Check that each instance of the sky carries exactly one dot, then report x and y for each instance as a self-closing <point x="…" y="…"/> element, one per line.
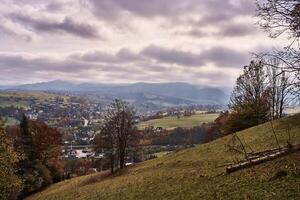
<point x="203" y="42"/>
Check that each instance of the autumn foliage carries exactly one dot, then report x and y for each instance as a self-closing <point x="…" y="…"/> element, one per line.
<point x="40" y="147"/>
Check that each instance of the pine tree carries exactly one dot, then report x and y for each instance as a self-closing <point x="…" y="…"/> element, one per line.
<point x="29" y="168"/>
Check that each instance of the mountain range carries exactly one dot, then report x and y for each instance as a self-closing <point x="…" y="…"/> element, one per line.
<point x="176" y="93"/>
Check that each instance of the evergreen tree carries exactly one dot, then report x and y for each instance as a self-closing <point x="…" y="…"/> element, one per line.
<point x="29" y="168"/>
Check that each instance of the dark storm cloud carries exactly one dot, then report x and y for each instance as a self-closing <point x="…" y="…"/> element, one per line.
<point x="67" y="25"/>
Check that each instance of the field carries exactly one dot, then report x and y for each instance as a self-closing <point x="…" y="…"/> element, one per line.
<point x="30" y="95"/>
<point x="198" y="173"/>
<point x="184" y="122"/>
<point x="19" y="104"/>
<point x="24" y="99"/>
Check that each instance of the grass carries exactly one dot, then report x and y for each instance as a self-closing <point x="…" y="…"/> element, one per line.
<point x="184" y="122"/>
<point x="197" y="173"/>
<point x="162" y="153"/>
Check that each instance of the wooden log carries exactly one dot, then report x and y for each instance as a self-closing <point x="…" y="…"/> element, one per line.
<point x="252" y="161"/>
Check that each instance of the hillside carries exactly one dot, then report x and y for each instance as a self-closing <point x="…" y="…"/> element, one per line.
<point x="24" y="99"/>
<point x="184" y="121"/>
<point x="198" y="173"/>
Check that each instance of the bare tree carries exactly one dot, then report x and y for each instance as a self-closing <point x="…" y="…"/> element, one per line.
<point x="116" y="132"/>
<point x="283" y="75"/>
<point x="280" y="16"/>
<point x="281" y="86"/>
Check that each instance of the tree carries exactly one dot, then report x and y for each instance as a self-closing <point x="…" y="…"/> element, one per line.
<point x="107" y="140"/>
<point x="48" y="147"/>
<point x="40" y="147"/>
<point x="281" y="86"/>
<point x="280" y="16"/>
<point x="117" y="131"/>
<point x="10" y="183"/>
<point x="249" y="101"/>
<point x="28" y="167"/>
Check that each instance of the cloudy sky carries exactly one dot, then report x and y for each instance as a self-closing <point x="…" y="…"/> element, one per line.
<point x="203" y="42"/>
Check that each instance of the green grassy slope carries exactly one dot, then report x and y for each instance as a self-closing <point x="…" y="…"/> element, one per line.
<point x="184" y="122"/>
<point x="197" y="173"/>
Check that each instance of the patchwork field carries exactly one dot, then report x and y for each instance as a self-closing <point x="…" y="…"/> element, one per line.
<point x="184" y="122"/>
<point x="198" y="173"/>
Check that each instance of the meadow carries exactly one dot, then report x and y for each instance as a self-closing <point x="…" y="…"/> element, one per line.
<point x="184" y="121"/>
<point x="199" y="172"/>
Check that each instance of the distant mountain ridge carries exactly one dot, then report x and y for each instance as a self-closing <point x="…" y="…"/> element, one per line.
<point x="177" y="92"/>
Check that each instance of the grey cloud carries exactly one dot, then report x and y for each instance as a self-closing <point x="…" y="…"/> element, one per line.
<point x="123" y="61"/>
<point x="223" y="11"/>
<point x="172" y="56"/>
<point x="197" y="33"/>
<point x="224" y="57"/>
<point x="123" y="55"/>
<point x="112" y="9"/>
<point x="218" y="78"/>
<point x="38" y="67"/>
<point x="67" y="25"/>
<point x="237" y="30"/>
<point x="29" y="63"/>
<point x="9" y="31"/>
<point x="232" y="29"/>
<point x="19" y="62"/>
<point x="55" y="6"/>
